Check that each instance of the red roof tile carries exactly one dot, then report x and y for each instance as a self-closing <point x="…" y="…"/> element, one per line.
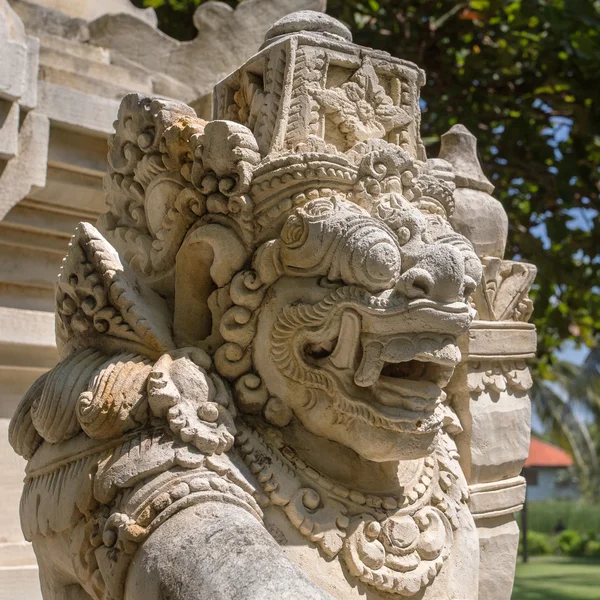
<point x="542" y="454"/>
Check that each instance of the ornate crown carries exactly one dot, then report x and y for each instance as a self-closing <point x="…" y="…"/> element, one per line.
<point x="312" y="115"/>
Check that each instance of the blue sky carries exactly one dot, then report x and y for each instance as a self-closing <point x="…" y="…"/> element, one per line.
<point x="571" y="353"/>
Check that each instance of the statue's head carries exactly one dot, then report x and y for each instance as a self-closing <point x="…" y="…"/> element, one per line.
<point x="358" y="335"/>
<point x="303" y="240"/>
<point x="363" y="297"/>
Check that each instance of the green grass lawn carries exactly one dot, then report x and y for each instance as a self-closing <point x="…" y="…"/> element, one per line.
<point x="557" y="578"/>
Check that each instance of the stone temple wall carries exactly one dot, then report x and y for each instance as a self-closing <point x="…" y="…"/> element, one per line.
<point x="64" y="67"/>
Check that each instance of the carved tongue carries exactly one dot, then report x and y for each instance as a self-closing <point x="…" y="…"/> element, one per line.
<point x="404" y="393"/>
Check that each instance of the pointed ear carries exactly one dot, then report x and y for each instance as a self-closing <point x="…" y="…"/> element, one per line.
<point x="208" y="259"/>
<point x="101" y="303"/>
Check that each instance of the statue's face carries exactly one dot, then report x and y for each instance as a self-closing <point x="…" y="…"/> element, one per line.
<point x="359" y="333"/>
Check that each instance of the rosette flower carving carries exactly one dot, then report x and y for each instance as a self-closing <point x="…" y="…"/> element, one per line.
<point x="403" y="553"/>
<point x="360" y="108"/>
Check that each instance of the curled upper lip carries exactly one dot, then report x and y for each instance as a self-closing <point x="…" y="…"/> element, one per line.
<point x="392" y="305"/>
<point x="421" y="315"/>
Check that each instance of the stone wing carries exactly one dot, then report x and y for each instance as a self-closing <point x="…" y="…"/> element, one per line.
<point x="101" y="303"/>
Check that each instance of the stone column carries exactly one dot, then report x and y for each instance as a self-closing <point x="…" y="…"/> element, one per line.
<point x="490" y="391"/>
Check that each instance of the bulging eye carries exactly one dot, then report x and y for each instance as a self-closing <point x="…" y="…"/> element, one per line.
<point x="382" y="262"/>
<point x="374" y="259"/>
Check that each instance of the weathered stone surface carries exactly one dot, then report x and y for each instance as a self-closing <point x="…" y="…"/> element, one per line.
<point x="59" y="95"/>
<point x="41" y="21"/>
<point x="284" y="373"/>
<point x="498" y="543"/>
<point x="92" y="9"/>
<point x="26" y="172"/>
<point x="477" y="215"/>
<point x="13" y="40"/>
<point x="27" y="350"/>
<point x="9" y="129"/>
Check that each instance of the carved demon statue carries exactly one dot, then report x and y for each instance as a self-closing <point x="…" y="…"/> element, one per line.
<point x="253" y="400"/>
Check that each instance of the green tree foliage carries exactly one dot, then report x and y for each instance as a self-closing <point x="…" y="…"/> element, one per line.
<point x="175" y="17"/>
<point x="569" y="409"/>
<point x="523" y="76"/>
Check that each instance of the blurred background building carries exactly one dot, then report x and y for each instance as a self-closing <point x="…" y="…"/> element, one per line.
<point x="548" y="471"/>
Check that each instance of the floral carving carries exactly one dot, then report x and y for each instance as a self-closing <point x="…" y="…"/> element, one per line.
<point x="396" y="544"/>
<point x="502" y="295"/>
<point x="169" y="171"/>
<point x="100" y="300"/>
<point x="499" y="377"/>
<point x="403" y="555"/>
<point x="360" y="108"/>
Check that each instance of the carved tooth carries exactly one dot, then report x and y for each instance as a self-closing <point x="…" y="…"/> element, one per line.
<point x="344" y="355"/>
<point x="370" y="366"/>
<point x="443" y="376"/>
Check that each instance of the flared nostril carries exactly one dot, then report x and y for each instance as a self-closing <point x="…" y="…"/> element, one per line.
<point x="422" y="284"/>
<point x="416" y="283"/>
<point x="439" y="275"/>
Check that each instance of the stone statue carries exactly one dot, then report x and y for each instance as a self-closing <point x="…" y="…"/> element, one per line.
<point x="293" y="360"/>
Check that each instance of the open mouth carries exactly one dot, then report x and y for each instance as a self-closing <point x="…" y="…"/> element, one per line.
<point x="414" y="385"/>
<point x="425" y="379"/>
<point x="407" y="372"/>
<point x="402" y="375"/>
<point x="415" y="357"/>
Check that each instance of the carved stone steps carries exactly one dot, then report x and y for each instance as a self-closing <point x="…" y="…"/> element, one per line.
<point x="75" y="109"/>
<point x="64" y="187"/>
<point x="91" y="69"/>
<point x="97" y="54"/>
